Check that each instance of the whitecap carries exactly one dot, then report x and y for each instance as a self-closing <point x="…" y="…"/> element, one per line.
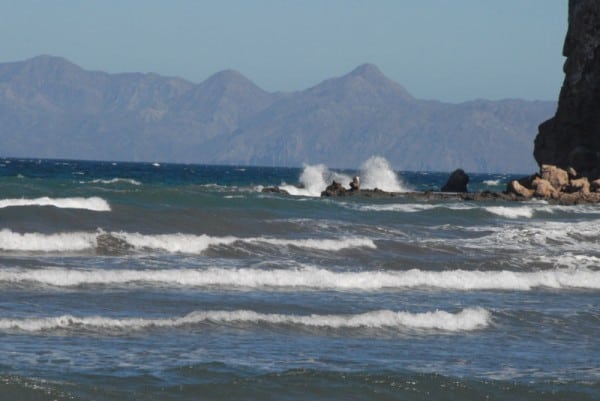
<point x="172" y="243"/>
<point x="94" y="203"/>
<point x="465" y="320"/>
<point x="311" y="278"/>
<point x="116" y="181"/>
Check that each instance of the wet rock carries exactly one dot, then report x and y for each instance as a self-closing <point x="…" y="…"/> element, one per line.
<point x="515" y="187"/>
<point x="335" y="189"/>
<point x="595" y="185"/>
<point x="457" y="182"/>
<point x="275" y="190"/>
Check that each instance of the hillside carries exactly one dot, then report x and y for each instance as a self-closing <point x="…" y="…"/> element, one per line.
<point x="51" y="108"/>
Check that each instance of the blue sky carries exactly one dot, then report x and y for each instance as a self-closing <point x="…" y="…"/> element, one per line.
<point x="452" y="50"/>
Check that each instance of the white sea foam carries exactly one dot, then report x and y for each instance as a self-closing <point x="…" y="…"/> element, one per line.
<point x="94" y="203"/>
<point x="511" y="212"/>
<point x="465" y="320"/>
<point x="37" y="242"/>
<point x="537" y="235"/>
<point x="173" y="243"/>
<point x="311" y="278"/>
<point x="116" y="181"/>
<point x="376" y="172"/>
<point x="492" y="182"/>
<point x="409" y="207"/>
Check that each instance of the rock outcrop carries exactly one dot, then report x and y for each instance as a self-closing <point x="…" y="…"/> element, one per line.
<point x="572" y="136"/>
<point x="457" y="182"/>
<point x="557" y="185"/>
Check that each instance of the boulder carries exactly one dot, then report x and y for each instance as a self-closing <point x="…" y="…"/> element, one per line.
<point x="457" y="182"/>
<point x="514" y="187"/>
<point x="543" y="189"/>
<point x="275" y="190"/>
<point x="335" y="189"/>
<point x="595" y="185"/>
<point x="557" y="177"/>
<point x="579" y="185"/>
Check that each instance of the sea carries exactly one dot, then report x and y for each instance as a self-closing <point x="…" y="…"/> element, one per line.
<point x="155" y="281"/>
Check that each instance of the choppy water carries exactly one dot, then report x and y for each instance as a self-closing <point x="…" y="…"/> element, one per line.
<point x="171" y="282"/>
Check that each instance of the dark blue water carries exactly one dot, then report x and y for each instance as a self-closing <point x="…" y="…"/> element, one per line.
<point x="123" y="281"/>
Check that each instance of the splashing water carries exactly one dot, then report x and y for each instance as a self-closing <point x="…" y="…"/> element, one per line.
<point x="376" y="172"/>
<point x="314" y="180"/>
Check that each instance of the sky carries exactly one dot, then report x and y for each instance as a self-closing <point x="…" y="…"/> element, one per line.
<point x="450" y="50"/>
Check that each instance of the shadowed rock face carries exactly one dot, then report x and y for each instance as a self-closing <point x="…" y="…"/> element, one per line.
<point x="572" y="136"/>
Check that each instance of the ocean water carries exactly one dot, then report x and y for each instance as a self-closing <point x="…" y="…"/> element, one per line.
<point x="123" y="281"/>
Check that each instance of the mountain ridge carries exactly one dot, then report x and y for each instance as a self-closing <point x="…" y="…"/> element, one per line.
<point x="50" y="107"/>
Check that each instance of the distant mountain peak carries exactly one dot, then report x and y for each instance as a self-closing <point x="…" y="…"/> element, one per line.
<point x="366" y="79"/>
<point x="367" y="70"/>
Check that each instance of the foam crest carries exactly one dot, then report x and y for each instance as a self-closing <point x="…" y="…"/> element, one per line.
<point x="409" y="207"/>
<point x="376" y="172"/>
<point x="465" y="320"/>
<point x="172" y="243"/>
<point x="311" y="278"/>
<point x="116" y="181"/>
<point x="94" y="203"/>
<point x="36" y="242"/>
<point x="511" y="212"/>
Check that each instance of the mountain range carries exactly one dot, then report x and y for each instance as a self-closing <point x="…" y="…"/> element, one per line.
<point x="52" y="108"/>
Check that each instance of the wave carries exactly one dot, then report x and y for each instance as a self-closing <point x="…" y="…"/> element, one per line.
<point x="94" y="203"/>
<point x="492" y="182"/>
<point x="172" y="243"/>
<point x="114" y="181"/>
<point x="312" y="278"/>
<point x="466" y="320"/>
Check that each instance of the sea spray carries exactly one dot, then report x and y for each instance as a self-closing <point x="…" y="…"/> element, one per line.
<point x="314" y="179"/>
<point x="376" y="172"/>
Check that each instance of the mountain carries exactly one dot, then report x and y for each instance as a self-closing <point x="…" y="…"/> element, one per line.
<point x="50" y="107"/>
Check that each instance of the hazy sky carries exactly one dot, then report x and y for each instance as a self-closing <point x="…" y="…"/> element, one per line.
<point x="452" y="50"/>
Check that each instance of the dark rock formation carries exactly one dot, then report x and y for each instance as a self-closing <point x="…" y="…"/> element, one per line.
<point x="457" y="182"/>
<point x="275" y="190"/>
<point x="572" y="137"/>
<point x="335" y="189"/>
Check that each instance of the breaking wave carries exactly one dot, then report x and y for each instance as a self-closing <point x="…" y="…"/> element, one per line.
<point x="312" y="278"/>
<point x="94" y="203"/>
<point x="465" y="320"/>
<point x="376" y="172"/>
<point x="173" y="243"/>
<point x="116" y="181"/>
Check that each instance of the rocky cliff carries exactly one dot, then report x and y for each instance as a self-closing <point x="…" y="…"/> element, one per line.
<point x="572" y="137"/>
